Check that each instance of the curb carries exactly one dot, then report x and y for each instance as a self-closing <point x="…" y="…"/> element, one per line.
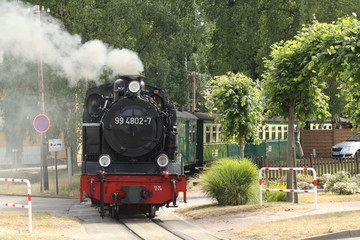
<point x="337" y="235"/>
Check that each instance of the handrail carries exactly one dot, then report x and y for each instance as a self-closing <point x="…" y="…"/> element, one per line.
<point x="288" y="190"/>
<point x="20" y="205"/>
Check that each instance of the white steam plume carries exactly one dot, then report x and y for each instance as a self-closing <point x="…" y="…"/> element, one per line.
<point x="1" y="56"/>
<point x="20" y="37"/>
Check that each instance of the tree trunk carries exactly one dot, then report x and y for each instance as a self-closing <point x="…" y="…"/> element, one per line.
<point x="290" y="146"/>
<point x="242" y="149"/>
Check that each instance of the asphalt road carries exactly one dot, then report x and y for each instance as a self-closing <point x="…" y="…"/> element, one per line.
<point x="40" y="204"/>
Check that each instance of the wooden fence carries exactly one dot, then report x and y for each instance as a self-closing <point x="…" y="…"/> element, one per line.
<point x="321" y="165"/>
<point x="323" y="140"/>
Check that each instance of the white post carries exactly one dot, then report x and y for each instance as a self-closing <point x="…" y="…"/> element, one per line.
<point x="29" y="204"/>
<point x="260" y="185"/>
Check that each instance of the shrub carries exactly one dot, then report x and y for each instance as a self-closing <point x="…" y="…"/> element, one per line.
<point x="231" y="181"/>
<point x="342" y="184"/>
<point x="345" y="188"/>
<point x="321" y="180"/>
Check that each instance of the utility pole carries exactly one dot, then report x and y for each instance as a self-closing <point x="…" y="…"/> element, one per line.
<point x="43" y="160"/>
<point x="193" y="80"/>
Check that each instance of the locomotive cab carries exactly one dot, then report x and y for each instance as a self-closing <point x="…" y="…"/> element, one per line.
<point x="129" y="147"/>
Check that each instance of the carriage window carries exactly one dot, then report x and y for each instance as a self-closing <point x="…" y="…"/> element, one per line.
<point x="285" y="132"/>
<point x="261" y="133"/>
<point x="220" y="134"/>
<point x="273" y="132"/>
<point x="192" y="131"/>
<point x="207" y="134"/>
<point x="267" y="134"/>
<point x="279" y="132"/>
<point x="214" y="134"/>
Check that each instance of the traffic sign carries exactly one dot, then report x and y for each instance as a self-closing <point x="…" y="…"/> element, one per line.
<point x="56" y="145"/>
<point x="41" y="123"/>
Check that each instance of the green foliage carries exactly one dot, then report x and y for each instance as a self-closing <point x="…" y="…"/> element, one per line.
<point x="275" y="196"/>
<point x="245" y="30"/>
<point x="297" y="70"/>
<point x="342" y="184"/>
<point x="236" y="99"/>
<point x="231" y="181"/>
<point x="288" y="84"/>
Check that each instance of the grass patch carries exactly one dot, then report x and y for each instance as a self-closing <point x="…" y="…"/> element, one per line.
<point x="324" y="197"/>
<point x="301" y="227"/>
<point x="46" y="226"/>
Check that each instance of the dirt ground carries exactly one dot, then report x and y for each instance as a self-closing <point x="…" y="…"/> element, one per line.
<point x="271" y="221"/>
<point x="46" y="226"/>
<point x="250" y="221"/>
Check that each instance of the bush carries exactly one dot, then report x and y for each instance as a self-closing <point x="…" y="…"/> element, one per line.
<point x="342" y="184"/>
<point x="231" y="181"/>
<point x="345" y="188"/>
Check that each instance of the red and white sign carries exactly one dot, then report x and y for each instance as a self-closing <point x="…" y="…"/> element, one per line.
<point x="41" y="123"/>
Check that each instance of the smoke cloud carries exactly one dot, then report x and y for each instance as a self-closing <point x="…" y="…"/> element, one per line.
<point x="22" y="36"/>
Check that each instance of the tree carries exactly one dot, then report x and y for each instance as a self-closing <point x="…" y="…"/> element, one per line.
<point x="297" y="70"/>
<point x="243" y="31"/>
<point x="17" y="106"/>
<point x="168" y="36"/>
<point x="236" y="100"/>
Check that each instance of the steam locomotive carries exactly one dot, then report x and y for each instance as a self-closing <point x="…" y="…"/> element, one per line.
<point x="130" y="162"/>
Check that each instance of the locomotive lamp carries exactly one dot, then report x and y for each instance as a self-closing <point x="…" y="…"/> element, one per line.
<point x="162" y="160"/>
<point x="104" y="160"/>
<point x="134" y="86"/>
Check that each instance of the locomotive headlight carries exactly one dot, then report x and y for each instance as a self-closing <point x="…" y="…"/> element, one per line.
<point x="104" y="160"/>
<point x="162" y="160"/>
<point x="134" y="86"/>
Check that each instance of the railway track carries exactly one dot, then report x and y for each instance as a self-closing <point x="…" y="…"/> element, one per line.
<point x="166" y="225"/>
<point x="174" y="229"/>
<point x="146" y="229"/>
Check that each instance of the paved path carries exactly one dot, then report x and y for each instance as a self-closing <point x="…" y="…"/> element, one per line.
<point x="40" y="204"/>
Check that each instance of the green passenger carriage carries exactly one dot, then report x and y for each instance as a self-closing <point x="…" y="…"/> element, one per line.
<point x="200" y="140"/>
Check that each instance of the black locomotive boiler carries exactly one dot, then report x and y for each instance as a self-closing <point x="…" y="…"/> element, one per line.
<point x="129" y="160"/>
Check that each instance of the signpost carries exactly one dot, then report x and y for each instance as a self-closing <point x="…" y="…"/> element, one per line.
<point x="42" y="124"/>
<point x="56" y="145"/>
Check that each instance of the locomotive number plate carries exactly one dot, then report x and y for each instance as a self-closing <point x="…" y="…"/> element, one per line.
<point x="132" y="120"/>
<point x="157" y="188"/>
